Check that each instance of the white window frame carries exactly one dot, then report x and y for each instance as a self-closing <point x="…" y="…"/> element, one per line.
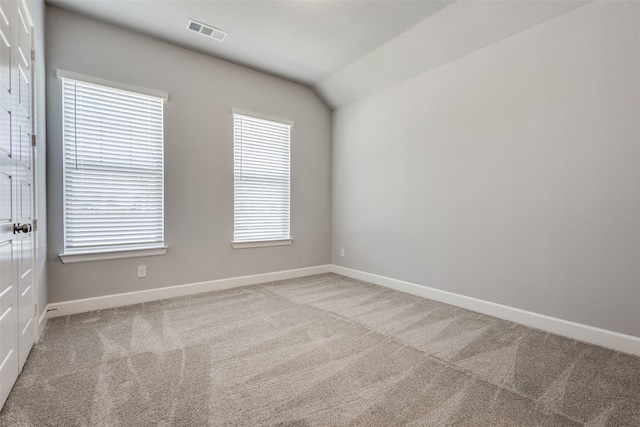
<point x="120" y="249"/>
<point x="243" y="236"/>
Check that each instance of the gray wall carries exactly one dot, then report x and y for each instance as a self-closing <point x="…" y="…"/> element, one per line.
<point x="509" y="175"/>
<point x="198" y="160"/>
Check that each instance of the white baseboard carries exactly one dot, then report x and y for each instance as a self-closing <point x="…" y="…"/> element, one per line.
<point x="118" y="300"/>
<point x="41" y="284"/>
<point x="42" y="322"/>
<point x="602" y="337"/>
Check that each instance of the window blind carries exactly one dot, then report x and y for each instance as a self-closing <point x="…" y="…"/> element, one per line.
<point x="113" y="168"/>
<point x="261" y="179"/>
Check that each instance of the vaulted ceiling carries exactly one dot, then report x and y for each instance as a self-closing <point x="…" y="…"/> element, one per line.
<point x="345" y="50"/>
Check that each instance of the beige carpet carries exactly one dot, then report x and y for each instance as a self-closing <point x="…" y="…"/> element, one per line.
<point x="318" y="351"/>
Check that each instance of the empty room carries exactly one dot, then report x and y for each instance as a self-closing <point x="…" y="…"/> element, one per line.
<point x="319" y="213"/>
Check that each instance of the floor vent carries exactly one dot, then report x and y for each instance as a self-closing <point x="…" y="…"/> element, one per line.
<point x="206" y="30"/>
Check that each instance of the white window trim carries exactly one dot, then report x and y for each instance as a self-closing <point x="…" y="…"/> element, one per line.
<point x="62" y="74"/>
<point x="261" y="243"/>
<point x="263" y="116"/>
<point x="72" y="258"/>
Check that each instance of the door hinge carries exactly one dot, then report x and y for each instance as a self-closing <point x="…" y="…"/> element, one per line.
<point x="33" y="140"/>
<point x="33" y="55"/>
<point x="35" y="309"/>
<point x="34" y="225"/>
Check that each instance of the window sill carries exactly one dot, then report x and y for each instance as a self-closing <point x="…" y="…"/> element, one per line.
<point x="72" y="258"/>
<point x="261" y="244"/>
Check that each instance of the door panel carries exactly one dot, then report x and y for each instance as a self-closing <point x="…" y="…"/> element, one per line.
<point x="23" y="40"/>
<point x="24" y="205"/>
<point x="5" y="131"/>
<point x="5" y="50"/>
<point x="9" y="364"/>
<point x="17" y="295"/>
<point x="6" y="204"/>
<point x="23" y="43"/>
<point x="23" y="183"/>
<point x="23" y="149"/>
<point x="24" y="248"/>
<point x="26" y="298"/>
<point x="24" y="94"/>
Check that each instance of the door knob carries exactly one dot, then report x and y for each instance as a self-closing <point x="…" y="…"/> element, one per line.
<point x="24" y="228"/>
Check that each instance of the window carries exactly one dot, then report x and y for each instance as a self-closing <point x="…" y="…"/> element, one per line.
<point x="113" y="168"/>
<point x="261" y="181"/>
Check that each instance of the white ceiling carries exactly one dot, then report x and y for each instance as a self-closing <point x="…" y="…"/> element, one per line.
<point x="343" y="49"/>
<point x="304" y="41"/>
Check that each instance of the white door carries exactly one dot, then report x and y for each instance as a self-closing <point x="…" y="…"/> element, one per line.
<point x="17" y="317"/>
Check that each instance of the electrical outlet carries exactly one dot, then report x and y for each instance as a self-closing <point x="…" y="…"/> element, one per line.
<point x="142" y="271"/>
<point x="342" y="252"/>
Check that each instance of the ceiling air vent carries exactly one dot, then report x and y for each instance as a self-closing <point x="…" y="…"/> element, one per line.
<point x="206" y="30"/>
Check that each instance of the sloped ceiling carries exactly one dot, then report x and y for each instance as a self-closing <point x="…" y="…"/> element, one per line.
<point x="458" y="30"/>
<point x="345" y="50"/>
